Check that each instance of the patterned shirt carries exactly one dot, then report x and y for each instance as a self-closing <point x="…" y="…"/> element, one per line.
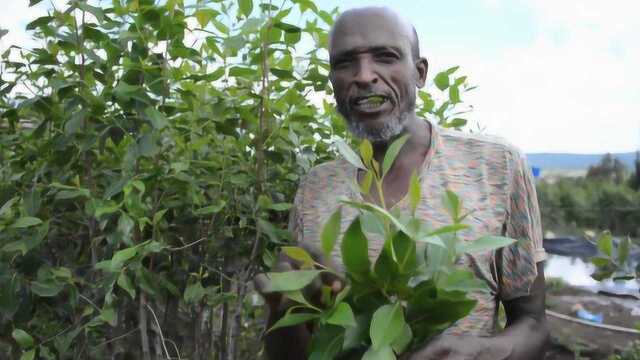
<point x="493" y="181"/>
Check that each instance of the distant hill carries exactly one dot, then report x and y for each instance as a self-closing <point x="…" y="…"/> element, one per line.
<point x="558" y="161"/>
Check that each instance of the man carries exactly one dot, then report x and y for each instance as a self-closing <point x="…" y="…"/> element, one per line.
<point x="375" y="70"/>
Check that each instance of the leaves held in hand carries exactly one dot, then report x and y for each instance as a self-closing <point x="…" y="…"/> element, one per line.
<point x="387" y="325"/>
<point x="330" y="232"/>
<point x="289" y="280"/>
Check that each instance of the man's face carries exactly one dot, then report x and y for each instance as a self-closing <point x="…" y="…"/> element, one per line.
<point x="374" y="76"/>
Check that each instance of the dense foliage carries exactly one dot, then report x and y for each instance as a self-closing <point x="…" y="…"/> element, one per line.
<point x="149" y="152"/>
<point x="604" y="199"/>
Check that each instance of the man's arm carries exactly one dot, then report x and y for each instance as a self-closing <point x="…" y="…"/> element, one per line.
<point x="524" y="338"/>
<point x="526" y="331"/>
<point x="288" y="343"/>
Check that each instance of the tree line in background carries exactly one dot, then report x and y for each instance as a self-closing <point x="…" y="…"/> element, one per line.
<point x="149" y="153"/>
<point x="606" y="198"/>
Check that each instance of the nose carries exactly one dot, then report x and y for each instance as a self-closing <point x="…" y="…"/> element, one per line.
<point x="364" y="73"/>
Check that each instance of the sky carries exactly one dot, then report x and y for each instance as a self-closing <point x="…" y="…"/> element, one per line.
<point x="551" y="76"/>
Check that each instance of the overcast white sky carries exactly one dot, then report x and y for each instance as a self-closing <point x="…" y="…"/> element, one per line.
<point x="552" y="75"/>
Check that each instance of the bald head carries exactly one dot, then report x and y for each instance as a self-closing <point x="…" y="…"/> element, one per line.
<point x="354" y="17"/>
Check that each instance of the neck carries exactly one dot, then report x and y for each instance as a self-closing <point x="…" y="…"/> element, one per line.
<point x="417" y="143"/>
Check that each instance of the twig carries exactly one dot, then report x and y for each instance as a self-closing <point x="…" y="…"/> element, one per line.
<point x="175" y="347"/>
<point x="164" y="346"/>
<point x="188" y="245"/>
<point x="89" y="301"/>
<point x="118" y="337"/>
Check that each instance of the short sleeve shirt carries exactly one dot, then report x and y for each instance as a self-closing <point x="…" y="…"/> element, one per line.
<point x="495" y="185"/>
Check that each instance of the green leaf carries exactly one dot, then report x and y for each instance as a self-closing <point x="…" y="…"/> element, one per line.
<point x="405" y="250"/>
<point x="366" y="151"/>
<point x="280" y="206"/>
<point x="342" y="315"/>
<point x="456" y="123"/>
<point x="127" y="285"/>
<point x="31" y="202"/>
<point x="601" y="262"/>
<point x="46" y="288"/>
<point x="22" y="338"/>
<point x="108" y="315"/>
<point x="25" y="222"/>
<point x="447" y="229"/>
<point x="245" y="6"/>
<point x="34" y="2"/>
<point x="383" y="353"/>
<point x="7" y="205"/>
<point x="330" y="232"/>
<point x="93" y="10"/>
<point x="392" y="153"/>
<point x="486" y="243"/>
<point x="454" y="95"/>
<point x="365" y="184"/>
<point x="240" y="71"/>
<point x="290" y="280"/>
<point x="605" y="244"/>
<point x="291" y="319"/>
<point x="462" y="280"/>
<point x="349" y="155"/>
<point x="39" y="22"/>
<point x="21" y="245"/>
<point x="452" y="204"/>
<point x="442" y="81"/>
<point x="211" y="209"/>
<point x="355" y="250"/>
<point x="122" y="256"/>
<point x="156" y="118"/>
<point x="28" y="355"/>
<point x="298" y="297"/>
<point x="327" y="342"/>
<point x="387" y="324"/>
<point x="194" y="293"/>
<point x="623" y="250"/>
<point x="299" y="254"/>
<point x="415" y="192"/>
<point x="402" y="342"/>
<point x="204" y="16"/>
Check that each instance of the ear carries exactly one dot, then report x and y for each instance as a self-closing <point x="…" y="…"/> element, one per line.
<point x="422" y="65"/>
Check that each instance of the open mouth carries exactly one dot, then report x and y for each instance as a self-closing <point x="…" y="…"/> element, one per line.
<point x="369" y="103"/>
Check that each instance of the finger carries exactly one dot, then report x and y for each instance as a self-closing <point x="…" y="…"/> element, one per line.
<point x="261" y="283"/>
<point x="285" y="263"/>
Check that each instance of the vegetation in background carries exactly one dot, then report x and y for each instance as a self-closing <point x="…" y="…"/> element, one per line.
<point x="149" y="151"/>
<point x="607" y="198"/>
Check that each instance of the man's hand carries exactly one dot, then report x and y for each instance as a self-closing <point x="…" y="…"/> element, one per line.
<point x="292" y="343"/>
<point x="447" y="347"/>
<point x="277" y="302"/>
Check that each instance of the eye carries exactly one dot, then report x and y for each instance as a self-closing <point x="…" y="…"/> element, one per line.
<point x="340" y="63"/>
<point x="387" y="57"/>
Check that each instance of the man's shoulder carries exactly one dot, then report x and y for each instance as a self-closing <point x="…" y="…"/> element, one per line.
<point x="479" y="143"/>
<point x="328" y="174"/>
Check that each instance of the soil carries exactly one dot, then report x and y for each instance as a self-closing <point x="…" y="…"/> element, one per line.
<point x="578" y="341"/>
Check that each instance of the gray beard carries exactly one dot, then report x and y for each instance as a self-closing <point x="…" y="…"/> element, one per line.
<point x="388" y="131"/>
<point x="391" y="128"/>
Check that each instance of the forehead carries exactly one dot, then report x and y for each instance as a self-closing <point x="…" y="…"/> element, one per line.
<point x="369" y="30"/>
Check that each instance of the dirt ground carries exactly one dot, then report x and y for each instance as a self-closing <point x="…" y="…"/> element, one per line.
<point x="577" y="341"/>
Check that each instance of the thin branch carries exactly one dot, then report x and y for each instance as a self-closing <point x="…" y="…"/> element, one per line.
<point x="164" y="346"/>
<point x="118" y="337"/>
<point x="188" y="245"/>
<point x="89" y="301"/>
<point x="175" y="348"/>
